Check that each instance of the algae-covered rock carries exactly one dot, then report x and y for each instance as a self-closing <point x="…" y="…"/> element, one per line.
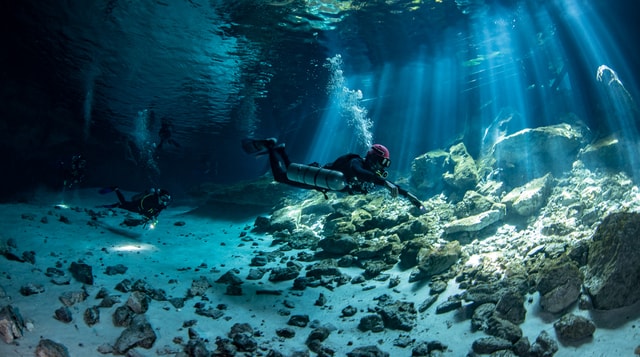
<point x="436" y="261"/>
<point x="613" y="265"/>
<point x="559" y="285"/>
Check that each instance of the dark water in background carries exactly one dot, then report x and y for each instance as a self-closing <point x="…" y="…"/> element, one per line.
<point x="98" y="78"/>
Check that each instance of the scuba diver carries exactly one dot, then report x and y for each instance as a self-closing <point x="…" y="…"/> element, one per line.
<point x="165" y="133"/>
<point x="348" y="173"/>
<point x="74" y="173"/>
<point x="149" y="204"/>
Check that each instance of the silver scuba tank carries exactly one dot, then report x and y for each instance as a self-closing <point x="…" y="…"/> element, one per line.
<point x="317" y="176"/>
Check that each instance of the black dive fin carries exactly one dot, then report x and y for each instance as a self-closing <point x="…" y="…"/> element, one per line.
<point x="251" y="146"/>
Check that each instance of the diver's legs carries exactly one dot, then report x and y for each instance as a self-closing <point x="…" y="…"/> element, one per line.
<point x="279" y="161"/>
<point x="258" y="146"/>
<point x="120" y="196"/>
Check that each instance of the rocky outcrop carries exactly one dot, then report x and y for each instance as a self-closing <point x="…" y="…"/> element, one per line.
<point x="613" y="267"/>
<point x="427" y="171"/>
<point x="534" y="152"/>
<point x="465" y="173"/>
<point x="528" y="199"/>
<point x="607" y="153"/>
<point x="436" y="261"/>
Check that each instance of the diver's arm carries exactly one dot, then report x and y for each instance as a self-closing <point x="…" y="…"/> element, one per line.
<point x="393" y="188"/>
<point x="412" y="198"/>
<point x="366" y="175"/>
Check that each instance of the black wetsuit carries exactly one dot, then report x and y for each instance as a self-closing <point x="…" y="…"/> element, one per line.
<point x="355" y="169"/>
<point x="146" y="204"/>
<point x="352" y="166"/>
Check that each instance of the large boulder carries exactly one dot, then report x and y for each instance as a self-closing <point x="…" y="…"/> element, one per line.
<point x="427" y="171"/>
<point x="534" y="152"/>
<point x="465" y="173"/>
<point x="528" y="199"/>
<point x="559" y="284"/>
<point x="613" y="265"/>
<point x="609" y="153"/>
<point x="434" y="261"/>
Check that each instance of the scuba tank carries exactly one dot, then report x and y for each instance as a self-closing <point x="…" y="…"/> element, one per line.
<point x="317" y="176"/>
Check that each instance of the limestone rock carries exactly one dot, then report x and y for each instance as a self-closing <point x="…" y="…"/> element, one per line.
<point x="91" y="315"/>
<point x="11" y="324"/>
<point x="48" y="348"/>
<point x="559" y="284"/>
<point x="474" y="223"/>
<point x="551" y="148"/>
<point x="138" y="334"/>
<point x="574" y="328"/>
<point x="72" y="297"/>
<point x="427" y="171"/>
<point x="199" y="287"/>
<point x="465" y="173"/>
<point x="504" y="329"/>
<point x="436" y="261"/>
<point x="116" y="269"/>
<point x="489" y="345"/>
<point x="82" y="272"/>
<point x="63" y="314"/>
<point x="31" y="289"/>
<point x="472" y="203"/>
<point x="367" y="351"/>
<point x="338" y="245"/>
<point x="371" y="322"/>
<point x="290" y="272"/>
<point x="528" y="199"/>
<point x="544" y="345"/>
<point x="138" y="302"/>
<point x="409" y="253"/>
<point x="607" y="153"/>
<point x="511" y="307"/>
<point x="613" y="266"/>
<point x="397" y="315"/>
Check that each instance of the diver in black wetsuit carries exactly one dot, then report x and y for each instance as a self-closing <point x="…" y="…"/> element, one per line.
<point x="149" y="204"/>
<point x="165" y="133"/>
<point x="358" y="174"/>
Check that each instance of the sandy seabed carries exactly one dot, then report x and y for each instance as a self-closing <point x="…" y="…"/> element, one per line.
<point x="212" y="241"/>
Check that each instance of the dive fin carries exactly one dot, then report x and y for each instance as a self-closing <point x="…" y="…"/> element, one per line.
<point x="106" y="190"/>
<point x="256" y="147"/>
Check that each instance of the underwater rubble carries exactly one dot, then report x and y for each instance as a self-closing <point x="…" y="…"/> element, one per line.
<point x="545" y="212"/>
<point x="496" y="227"/>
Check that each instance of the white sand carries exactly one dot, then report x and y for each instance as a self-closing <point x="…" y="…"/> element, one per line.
<point x="209" y="246"/>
